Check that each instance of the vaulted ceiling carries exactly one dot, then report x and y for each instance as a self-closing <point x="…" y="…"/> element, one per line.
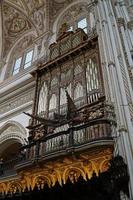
<point x="17" y="17"/>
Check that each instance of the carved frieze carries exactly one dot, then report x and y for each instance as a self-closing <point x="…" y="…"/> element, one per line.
<point x="15" y="103"/>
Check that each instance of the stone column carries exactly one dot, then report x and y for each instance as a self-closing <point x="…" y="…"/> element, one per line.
<point x="1" y="39"/>
<point x="118" y="77"/>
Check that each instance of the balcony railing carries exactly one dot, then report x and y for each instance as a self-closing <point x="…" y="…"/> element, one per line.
<point x="97" y="129"/>
<point x="7" y="168"/>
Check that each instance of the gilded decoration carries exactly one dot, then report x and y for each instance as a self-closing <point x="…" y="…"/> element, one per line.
<point x="71" y="167"/>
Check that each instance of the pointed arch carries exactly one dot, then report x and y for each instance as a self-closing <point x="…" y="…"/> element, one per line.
<point x="43" y="98"/>
<point x="12" y="132"/>
<point x="12" y="136"/>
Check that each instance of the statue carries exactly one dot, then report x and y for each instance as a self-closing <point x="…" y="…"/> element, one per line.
<point x="63" y="29"/>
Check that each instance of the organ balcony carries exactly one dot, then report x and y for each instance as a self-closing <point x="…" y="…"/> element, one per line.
<point x="93" y="126"/>
<point x="70" y="113"/>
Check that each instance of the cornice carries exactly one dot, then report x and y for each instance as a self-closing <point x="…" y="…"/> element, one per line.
<point x="16" y="82"/>
<point x="16" y="112"/>
<point x="12" y="94"/>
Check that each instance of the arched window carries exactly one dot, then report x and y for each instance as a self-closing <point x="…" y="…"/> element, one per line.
<point x="43" y="99"/>
<point x="22" y="62"/>
<point x="82" y="23"/>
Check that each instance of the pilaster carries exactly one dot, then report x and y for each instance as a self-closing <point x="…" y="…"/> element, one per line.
<point x="119" y="82"/>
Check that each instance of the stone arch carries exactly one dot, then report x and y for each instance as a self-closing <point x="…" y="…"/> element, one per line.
<point x="55" y="25"/>
<point x="12" y="134"/>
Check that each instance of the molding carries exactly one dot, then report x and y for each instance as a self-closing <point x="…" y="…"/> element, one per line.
<point x="20" y="79"/>
<point x="16" y="101"/>
<point x="16" y="112"/>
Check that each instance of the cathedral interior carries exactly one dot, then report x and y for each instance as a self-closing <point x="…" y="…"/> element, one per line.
<point x="66" y="99"/>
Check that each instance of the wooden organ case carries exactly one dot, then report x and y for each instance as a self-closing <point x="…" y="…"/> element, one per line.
<point x="70" y="109"/>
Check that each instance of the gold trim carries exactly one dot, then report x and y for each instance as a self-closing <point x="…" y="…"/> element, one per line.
<point x="84" y="164"/>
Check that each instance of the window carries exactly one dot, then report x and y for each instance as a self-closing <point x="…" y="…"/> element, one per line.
<point x="82" y="24"/>
<point x="28" y="59"/>
<point x="23" y="62"/>
<point x="70" y="28"/>
<point x="17" y="65"/>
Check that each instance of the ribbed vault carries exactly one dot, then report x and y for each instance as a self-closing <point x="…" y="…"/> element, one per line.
<point x="17" y="17"/>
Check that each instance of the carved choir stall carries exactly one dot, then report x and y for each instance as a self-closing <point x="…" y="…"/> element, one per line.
<point x="71" y="129"/>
